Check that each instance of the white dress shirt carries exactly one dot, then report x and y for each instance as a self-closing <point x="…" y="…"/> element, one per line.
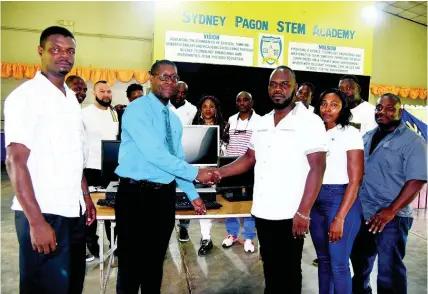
<point x="186" y="112"/>
<point x="364" y="114"/>
<point x="281" y="161"/>
<point x="39" y="116"/>
<point x="99" y="125"/>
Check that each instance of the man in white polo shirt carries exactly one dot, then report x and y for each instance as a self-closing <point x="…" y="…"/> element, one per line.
<point x="101" y="123"/>
<point x="241" y="128"/>
<point x="305" y="94"/>
<point x="185" y="110"/>
<point x="362" y="111"/>
<point x="45" y="159"/>
<point x="288" y="150"/>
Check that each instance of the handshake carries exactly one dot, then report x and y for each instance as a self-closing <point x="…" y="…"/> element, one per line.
<point x="209" y="175"/>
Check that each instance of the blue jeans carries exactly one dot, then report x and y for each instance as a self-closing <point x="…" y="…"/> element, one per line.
<point x="390" y="247"/>
<point x="233" y="226"/>
<point x="334" y="275"/>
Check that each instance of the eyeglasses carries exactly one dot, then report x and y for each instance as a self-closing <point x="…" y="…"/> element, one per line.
<point x="165" y="77"/>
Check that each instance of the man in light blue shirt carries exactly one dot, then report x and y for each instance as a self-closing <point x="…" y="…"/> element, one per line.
<point x="151" y="164"/>
<point x="395" y="169"/>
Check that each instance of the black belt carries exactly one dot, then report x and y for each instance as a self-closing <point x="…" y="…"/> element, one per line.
<point x="146" y="184"/>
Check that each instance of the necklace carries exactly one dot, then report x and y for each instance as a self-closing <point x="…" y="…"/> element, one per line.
<point x="246" y="126"/>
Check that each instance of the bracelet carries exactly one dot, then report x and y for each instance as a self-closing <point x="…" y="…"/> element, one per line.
<point x="341" y="220"/>
<point x="86" y="193"/>
<point x="302" y="216"/>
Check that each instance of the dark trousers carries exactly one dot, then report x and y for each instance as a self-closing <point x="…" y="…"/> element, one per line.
<point x="390" y="248"/>
<point x="138" y="204"/>
<point x="93" y="177"/>
<point x="281" y="256"/>
<point x="334" y="275"/>
<point x="62" y="272"/>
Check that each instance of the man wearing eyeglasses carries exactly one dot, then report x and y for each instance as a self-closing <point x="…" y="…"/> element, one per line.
<point x="241" y="129"/>
<point x="305" y="94"/>
<point x="151" y="165"/>
<point x="362" y="111"/>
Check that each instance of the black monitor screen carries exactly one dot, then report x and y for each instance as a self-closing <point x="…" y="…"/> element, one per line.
<point x="109" y="161"/>
<point x="243" y="180"/>
<point x="201" y="145"/>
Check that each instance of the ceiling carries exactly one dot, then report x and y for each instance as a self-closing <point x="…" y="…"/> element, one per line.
<point x="412" y="10"/>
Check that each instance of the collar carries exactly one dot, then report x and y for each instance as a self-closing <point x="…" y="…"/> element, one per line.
<point x="400" y="129"/>
<point x="39" y="77"/>
<point x="156" y="103"/>
<point x="251" y="115"/>
<point x="294" y="111"/>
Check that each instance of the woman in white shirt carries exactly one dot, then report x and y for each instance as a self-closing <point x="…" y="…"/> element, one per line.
<point x="336" y="214"/>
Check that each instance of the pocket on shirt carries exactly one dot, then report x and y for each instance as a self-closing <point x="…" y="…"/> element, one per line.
<point x="392" y="159"/>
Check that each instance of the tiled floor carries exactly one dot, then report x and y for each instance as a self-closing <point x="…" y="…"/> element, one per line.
<point x="223" y="271"/>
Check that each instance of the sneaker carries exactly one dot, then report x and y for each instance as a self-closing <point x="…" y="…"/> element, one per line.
<point x="184" y="235"/>
<point x="206" y="247"/>
<point x="89" y="257"/>
<point x="315" y="262"/>
<point x="249" y="246"/>
<point x="229" y="241"/>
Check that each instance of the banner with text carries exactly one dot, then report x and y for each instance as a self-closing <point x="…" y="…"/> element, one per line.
<point x="325" y="58"/>
<point x="309" y="36"/>
<point x="209" y="48"/>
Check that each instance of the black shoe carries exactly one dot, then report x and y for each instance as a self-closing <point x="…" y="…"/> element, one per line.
<point x="184" y="235"/>
<point x="206" y="247"/>
<point x="315" y="262"/>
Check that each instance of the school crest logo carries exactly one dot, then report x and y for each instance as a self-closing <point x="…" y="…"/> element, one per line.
<point x="270" y="50"/>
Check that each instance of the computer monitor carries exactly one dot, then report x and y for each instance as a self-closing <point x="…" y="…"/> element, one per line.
<point x="201" y="145"/>
<point x="109" y="161"/>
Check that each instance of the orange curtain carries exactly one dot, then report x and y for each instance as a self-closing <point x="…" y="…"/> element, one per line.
<point x="20" y="71"/>
<point x="405" y="92"/>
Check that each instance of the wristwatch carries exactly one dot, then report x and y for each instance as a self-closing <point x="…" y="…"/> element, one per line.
<point x="85" y="193"/>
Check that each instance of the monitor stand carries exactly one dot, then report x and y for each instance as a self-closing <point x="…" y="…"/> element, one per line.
<point x="238" y="194"/>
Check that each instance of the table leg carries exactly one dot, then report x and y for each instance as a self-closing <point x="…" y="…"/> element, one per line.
<point x="111" y="253"/>
<point x="101" y="244"/>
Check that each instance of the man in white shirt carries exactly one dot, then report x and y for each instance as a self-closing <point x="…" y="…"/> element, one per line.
<point x="241" y="129"/>
<point x="101" y="123"/>
<point x="45" y="159"/>
<point x="305" y="94"/>
<point x="288" y="150"/>
<point x="78" y="86"/>
<point x="362" y="111"/>
<point x="185" y="110"/>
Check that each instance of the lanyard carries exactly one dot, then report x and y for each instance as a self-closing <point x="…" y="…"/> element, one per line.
<point x="237" y="121"/>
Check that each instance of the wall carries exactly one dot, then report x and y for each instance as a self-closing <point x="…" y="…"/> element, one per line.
<point x="399" y="54"/>
<point x="108" y="35"/>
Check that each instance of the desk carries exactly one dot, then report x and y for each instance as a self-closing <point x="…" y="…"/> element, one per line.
<point x="228" y="210"/>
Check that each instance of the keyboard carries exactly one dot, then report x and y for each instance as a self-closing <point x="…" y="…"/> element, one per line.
<point x="106" y="202"/>
<point x="199" y="185"/>
<point x="186" y="205"/>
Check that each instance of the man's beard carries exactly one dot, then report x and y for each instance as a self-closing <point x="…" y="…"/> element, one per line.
<point x="391" y="124"/>
<point x="177" y="102"/>
<point x="102" y="103"/>
<point x="286" y="103"/>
